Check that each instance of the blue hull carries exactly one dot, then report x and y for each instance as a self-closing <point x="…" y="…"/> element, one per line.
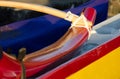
<point x="39" y="32"/>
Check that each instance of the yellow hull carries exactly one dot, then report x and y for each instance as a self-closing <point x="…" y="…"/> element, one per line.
<point x="106" y="67"/>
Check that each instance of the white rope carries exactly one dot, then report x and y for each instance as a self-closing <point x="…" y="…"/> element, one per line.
<point x="87" y="25"/>
<point x="77" y="21"/>
<point x="69" y="16"/>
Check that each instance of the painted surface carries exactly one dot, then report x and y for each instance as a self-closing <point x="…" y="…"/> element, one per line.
<point x="106" y="67"/>
<point x="34" y="34"/>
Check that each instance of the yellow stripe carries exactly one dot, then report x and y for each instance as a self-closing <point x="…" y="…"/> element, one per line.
<point x="107" y="67"/>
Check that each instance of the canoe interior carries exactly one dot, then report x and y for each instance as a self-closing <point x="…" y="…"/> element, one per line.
<point x="100" y="55"/>
<point x="101" y="33"/>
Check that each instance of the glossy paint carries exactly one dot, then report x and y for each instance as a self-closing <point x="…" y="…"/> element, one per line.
<point x="33" y="34"/>
<point x="107" y="67"/>
<point x="66" y="70"/>
<point x="77" y="36"/>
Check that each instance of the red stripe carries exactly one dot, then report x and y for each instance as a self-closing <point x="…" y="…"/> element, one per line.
<point x="78" y="63"/>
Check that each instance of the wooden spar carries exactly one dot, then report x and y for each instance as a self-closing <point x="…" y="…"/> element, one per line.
<point x="39" y="8"/>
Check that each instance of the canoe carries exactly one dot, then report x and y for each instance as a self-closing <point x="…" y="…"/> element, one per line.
<point x="97" y="59"/>
<point x="33" y="34"/>
<point x="34" y="62"/>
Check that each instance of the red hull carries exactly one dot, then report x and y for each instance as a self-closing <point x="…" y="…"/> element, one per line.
<point x="80" y="64"/>
<point x="12" y="67"/>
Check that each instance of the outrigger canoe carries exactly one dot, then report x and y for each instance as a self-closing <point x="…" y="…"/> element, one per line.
<point x="34" y="62"/>
<point x="100" y="58"/>
<point x="36" y="33"/>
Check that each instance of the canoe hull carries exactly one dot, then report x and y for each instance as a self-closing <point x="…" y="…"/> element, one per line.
<point x="35" y="62"/>
<point x="101" y="62"/>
